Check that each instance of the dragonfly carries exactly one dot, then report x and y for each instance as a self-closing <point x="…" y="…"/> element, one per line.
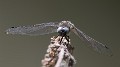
<point x="62" y="26"/>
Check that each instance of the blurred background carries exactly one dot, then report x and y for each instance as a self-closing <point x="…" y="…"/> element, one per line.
<point x="99" y="19"/>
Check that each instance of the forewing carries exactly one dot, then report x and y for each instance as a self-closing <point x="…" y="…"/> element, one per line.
<point x="38" y="29"/>
<point x="97" y="46"/>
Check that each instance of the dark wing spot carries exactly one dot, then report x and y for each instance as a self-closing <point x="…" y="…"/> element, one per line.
<point x="13" y="27"/>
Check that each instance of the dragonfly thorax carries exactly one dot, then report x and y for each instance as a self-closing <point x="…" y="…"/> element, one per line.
<point x="63" y="31"/>
<point x="66" y="24"/>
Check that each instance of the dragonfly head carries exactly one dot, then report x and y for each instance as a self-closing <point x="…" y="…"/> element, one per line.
<point x="63" y="31"/>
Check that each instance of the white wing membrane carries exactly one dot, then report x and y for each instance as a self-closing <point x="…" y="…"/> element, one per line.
<point x="97" y="46"/>
<point x="38" y="29"/>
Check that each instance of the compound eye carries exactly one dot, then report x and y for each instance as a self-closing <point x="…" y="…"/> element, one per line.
<point x="66" y="29"/>
<point x="59" y="29"/>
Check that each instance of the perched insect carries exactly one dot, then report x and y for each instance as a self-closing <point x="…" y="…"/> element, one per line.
<point x="63" y="28"/>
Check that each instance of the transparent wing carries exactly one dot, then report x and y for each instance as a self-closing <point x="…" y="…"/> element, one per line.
<point x="97" y="46"/>
<point x="38" y="29"/>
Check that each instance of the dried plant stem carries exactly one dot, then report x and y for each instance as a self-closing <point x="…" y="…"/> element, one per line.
<point x="59" y="53"/>
<point x="60" y="57"/>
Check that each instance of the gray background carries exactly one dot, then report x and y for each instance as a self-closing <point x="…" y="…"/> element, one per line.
<point x="99" y="19"/>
